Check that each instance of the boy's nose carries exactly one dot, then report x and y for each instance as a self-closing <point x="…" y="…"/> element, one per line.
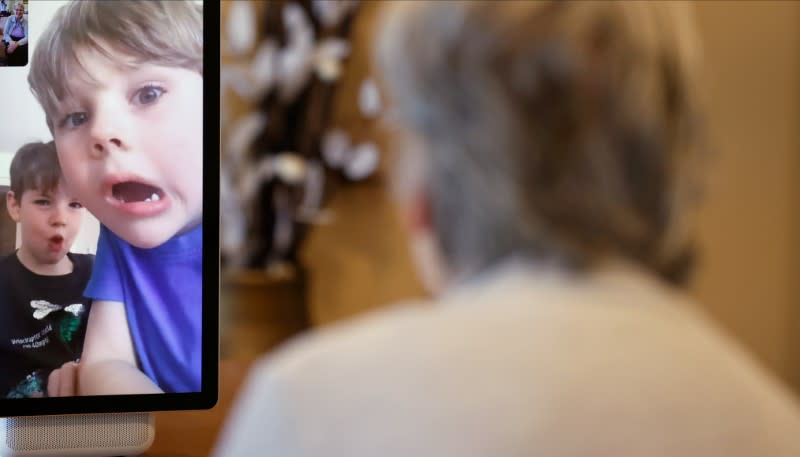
<point x="59" y="216"/>
<point x="101" y="148"/>
<point x="107" y="128"/>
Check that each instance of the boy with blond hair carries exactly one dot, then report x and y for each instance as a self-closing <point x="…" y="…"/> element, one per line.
<point x="121" y="84"/>
<point x="41" y="284"/>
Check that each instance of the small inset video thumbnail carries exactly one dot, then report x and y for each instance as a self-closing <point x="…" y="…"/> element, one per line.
<point x="14" y="33"/>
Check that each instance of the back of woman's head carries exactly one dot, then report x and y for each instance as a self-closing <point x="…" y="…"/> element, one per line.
<point x="566" y="132"/>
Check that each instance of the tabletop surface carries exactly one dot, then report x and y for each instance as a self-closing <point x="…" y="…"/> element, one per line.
<point x="193" y="433"/>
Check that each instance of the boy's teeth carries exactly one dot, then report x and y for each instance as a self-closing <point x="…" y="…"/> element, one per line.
<point x="152" y="198"/>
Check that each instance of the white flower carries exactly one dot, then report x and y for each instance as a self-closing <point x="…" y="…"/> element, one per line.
<point x="263" y="70"/>
<point x="313" y="190"/>
<point x="241" y="27"/>
<point x="363" y="161"/>
<point x="237" y="78"/>
<point x="328" y="58"/>
<point x="241" y="136"/>
<point x="357" y="162"/>
<point x="369" y="99"/>
<point x="233" y="230"/>
<point x="335" y="145"/>
<point x="290" y="167"/>
<point x="294" y="62"/>
<point x="331" y="12"/>
<point x="288" y="69"/>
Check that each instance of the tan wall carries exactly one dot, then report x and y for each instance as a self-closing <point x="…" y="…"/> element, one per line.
<point x="750" y="234"/>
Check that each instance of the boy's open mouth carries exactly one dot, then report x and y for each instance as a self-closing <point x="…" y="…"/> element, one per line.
<point x="56" y="242"/>
<point x="132" y="191"/>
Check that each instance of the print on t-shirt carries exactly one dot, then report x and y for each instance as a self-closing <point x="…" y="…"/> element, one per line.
<point x="42" y="326"/>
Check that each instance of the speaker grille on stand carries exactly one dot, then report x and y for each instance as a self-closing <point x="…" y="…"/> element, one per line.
<point x="77" y="431"/>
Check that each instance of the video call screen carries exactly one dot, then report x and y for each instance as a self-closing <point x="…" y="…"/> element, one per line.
<point x="103" y="299"/>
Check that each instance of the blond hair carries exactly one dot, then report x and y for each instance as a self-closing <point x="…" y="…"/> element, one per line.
<point x="565" y="131"/>
<point x="168" y="33"/>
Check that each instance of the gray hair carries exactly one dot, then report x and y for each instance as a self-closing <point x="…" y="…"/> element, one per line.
<point x="166" y="32"/>
<point x="561" y="131"/>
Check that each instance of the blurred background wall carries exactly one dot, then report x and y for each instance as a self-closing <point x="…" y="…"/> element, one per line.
<point x="750" y="233"/>
<point x="749" y="266"/>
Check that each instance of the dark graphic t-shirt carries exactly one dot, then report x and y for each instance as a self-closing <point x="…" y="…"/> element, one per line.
<point x="42" y="323"/>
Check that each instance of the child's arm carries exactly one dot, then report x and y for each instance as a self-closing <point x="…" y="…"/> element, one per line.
<point x="108" y="363"/>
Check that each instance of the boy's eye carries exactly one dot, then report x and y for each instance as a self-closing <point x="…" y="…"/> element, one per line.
<point x="148" y="94"/>
<point x="41" y="202"/>
<point x="75" y="205"/>
<point x="73" y="120"/>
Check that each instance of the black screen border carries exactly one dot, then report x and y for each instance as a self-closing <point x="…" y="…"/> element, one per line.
<point x="207" y="397"/>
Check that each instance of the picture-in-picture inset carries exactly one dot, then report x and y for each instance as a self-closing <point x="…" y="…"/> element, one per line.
<point x="15" y="33"/>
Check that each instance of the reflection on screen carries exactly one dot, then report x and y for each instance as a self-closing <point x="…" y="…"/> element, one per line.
<point x="101" y="268"/>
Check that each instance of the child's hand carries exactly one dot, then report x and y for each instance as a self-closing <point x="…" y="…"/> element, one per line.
<point x="63" y="382"/>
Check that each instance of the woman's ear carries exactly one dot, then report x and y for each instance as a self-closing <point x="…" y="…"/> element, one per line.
<point x="12" y="204"/>
<point x="418" y="213"/>
<point x="411" y="192"/>
<point x="424" y="244"/>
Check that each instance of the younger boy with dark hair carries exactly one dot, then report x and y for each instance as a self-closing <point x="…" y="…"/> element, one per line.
<point x="43" y="309"/>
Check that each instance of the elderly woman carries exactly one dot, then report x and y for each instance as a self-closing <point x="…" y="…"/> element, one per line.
<point x="547" y="171"/>
<point x="15" y="37"/>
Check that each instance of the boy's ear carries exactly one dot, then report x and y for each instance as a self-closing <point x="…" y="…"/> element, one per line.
<point x="12" y="204"/>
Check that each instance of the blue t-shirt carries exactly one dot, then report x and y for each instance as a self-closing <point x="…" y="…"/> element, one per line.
<point x="162" y="292"/>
